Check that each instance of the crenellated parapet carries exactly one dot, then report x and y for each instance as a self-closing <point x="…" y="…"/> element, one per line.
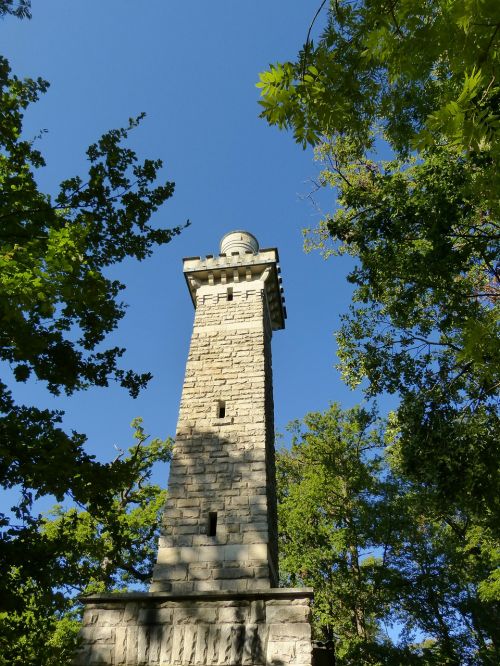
<point x="237" y="273"/>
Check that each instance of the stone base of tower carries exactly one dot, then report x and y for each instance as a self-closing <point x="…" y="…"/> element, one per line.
<point x="268" y="627"/>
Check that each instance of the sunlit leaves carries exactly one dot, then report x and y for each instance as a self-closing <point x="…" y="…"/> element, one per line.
<point x="57" y="306"/>
<point x="424" y="318"/>
<point x="424" y="72"/>
<point x="381" y="551"/>
<point x="88" y="547"/>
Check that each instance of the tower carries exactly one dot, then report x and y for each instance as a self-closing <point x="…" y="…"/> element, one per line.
<point x="214" y="596"/>
<point x="220" y="528"/>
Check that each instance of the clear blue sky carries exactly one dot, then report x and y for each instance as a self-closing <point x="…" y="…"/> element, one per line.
<point x="192" y="67"/>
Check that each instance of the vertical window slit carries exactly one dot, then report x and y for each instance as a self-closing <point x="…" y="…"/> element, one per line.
<point x="212" y="524"/>
<point x="221" y="409"/>
<point x="230" y="294"/>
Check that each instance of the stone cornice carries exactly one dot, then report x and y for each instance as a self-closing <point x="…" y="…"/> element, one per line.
<point x="216" y="595"/>
<point x="240" y="269"/>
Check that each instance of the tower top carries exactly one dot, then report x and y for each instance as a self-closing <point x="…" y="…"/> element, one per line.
<point x="240" y="265"/>
<point x="239" y="241"/>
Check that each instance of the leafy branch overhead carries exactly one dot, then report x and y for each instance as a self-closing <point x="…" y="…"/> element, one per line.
<point x="417" y="80"/>
<point x="57" y="306"/>
<point x="56" y="303"/>
<point x="19" y="8"/>
<point x="421" y="72"/>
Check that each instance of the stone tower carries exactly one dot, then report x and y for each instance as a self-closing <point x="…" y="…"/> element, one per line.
<point x="220" y="520"/>
<point x="214" y="597"/>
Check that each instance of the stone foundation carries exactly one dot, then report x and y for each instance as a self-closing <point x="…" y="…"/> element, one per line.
<point x="257" y="628"/>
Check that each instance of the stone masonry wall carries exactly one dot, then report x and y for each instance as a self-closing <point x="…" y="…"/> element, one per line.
<point x="246" y="631"/>
<point x="223" y="465"/>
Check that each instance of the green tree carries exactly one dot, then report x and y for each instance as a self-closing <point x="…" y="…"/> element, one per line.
<point x="56" y="308"/>
<point x="328" y="487"/>
<point x="420" y="72"/>
<point x="379" y="550"/>
<point x="424" y="228"/>
<point x="87" y="551"/>
<point x="438" y="568"/>
<point x="424" y="322"/>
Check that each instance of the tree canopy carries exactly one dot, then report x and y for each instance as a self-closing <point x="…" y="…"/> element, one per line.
<point x="84" y="550"/>
<point x="57" y="305"/>
<point x="419" y="80"/>
<point x="382" y="556"/>
<point x="422" y="72"/>
<point x="19" y="8"/>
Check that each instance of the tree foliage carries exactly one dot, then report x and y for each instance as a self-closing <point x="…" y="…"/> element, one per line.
<point x="421" y="79"/>
<point x="424" y="322"/>
<point x="379" y="551"/>
<point x="57" y="306"/>
<point x="19" y="8"/>
<point x="424" y="72"/>
<point x="82" y="550"/>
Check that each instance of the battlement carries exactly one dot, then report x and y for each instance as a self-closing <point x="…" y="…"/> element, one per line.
<point x="238" y="268"/>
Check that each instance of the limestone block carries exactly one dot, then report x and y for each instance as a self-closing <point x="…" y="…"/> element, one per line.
<point x="287" y="613"/>
<point x="190" y="640"/>
<point x="225" y="644"/>
<point x="90" y="617"/>
<point x="303" y="649"/>
<point x="289" y="632"/>
<point x="182" y="587"/>
<point x="160" y="586"/>
<point x="255" y="644"/>
<point x="195" y="614"/>
<point x="130" y="613"/>
<point x="199" y="572"/>
<point x="149" y="616"/>
<point x="120" y="653"/>
<point x="232" y="572"/>
<point x="234" y="614"/>
<point x="170" y="572"/>
<point x="236" y="585"/>
<point x="164" y="615"/>
<point x="238" y="639"/>
<point x="206" y="585"/>
<point x="98" y="634"/>
<point x="261" y="572"/>
<point x="188" y="502"/>
<point x="143" y="635"/>
<point x="177" y="645"/>
<point x="251" y="536"/>
<point x="109" y="618"/>
<point x="233" y="528"/>
<point x="132" y="635"/>
<point x="202" y="643"/>
<point x="177" y="555"/>
<point x="199" y="540"/>
<point x="153" y="654"/>
<point x="280" y="652"/>
<point x="166" y="645"/>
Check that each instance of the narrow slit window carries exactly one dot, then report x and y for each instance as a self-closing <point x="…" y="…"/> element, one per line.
<point x="221" y="409"/>
<point x="230" y="294"/>
<point x="212" y="524"/>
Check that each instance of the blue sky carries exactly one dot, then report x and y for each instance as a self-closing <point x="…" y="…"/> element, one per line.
<point x="192" y="67"/>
